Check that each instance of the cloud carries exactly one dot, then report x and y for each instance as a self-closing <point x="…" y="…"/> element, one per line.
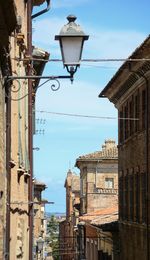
<point x="67" y="3"/>
<point x="112" y="43"/>
<point x="102" y="43"/>
<point x="44" y="31"/>
<point x="82" y="96"/>
<point x="45" y="179"/>
<point x="79" y="98"/>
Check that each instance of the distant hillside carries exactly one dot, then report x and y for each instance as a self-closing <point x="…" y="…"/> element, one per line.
<point x="56" y="214"/>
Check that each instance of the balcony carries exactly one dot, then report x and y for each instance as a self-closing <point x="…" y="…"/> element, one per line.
<point x="106" y="191"/>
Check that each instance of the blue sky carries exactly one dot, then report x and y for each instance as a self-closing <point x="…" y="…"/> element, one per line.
<point x="116" y="28"/>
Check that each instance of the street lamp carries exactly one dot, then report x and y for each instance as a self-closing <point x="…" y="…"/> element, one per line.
<point x="71" y="40"/>
<point x="40" y="243"/>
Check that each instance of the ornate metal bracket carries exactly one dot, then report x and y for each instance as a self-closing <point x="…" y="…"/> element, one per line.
<point x="54" y="87"/>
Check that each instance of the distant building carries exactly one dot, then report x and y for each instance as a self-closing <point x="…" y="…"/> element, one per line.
<point x="99" y="203"/>
<point x="72" y="185"/>
<point x="39" y="220"/>
<point x="90" y="230"/>
<point x="67" y="227"/>
<point x="99" y="178"/>
<point x="39" y="211"/>
<point x="98" y="234"/>
<point x="129" y="90"/>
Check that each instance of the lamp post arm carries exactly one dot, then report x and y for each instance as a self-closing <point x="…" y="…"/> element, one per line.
<point x="9" y="78"/>
<point x="48" y="78"/>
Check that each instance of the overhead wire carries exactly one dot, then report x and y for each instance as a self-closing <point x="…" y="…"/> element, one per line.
<point x="85" y="116"/>
<point x="69" y="114"/>
<point x="84" y="60"/>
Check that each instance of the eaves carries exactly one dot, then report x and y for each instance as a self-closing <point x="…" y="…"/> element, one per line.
<point x="9" y="14"/>
<point x="124" y="78"/>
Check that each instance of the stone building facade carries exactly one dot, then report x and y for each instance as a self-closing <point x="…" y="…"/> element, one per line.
<point x="20" y="175"/>
<point x="7" y="25"/>
<point x="129" y="90"/>
<point x="98" y="235"/>
<point x="68" y="243"/>
<point x="38" y="209"/>
<point x="16" y="103"/>
<point x="99" y="178"/>
<point x="91" y="205"/>
<point x="39" y="213"/>
<point x="98" y="202"/>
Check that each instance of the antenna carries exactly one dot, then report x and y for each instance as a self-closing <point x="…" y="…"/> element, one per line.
<point x="69" y="164"/>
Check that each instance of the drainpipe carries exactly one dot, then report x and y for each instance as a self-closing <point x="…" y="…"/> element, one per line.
<point x="43" y="11"/>
<point x="8" y="173"/>
<point x="7" y="71"/>
<point x="30" y="133"/>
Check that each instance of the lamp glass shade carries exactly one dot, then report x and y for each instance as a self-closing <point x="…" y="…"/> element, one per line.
<point x="40" y="243"/>
<point x="71" y="49"/>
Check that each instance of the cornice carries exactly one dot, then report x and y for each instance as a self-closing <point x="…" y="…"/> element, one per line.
<point x="132" y="80"/>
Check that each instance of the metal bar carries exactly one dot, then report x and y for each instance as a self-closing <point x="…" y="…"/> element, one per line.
<point x="30" y="202"/>
<point x="8" y="173"/>
<point x="8" y="78"/>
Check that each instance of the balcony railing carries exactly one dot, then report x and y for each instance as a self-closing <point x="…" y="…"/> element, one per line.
<point x="106" y="191"/>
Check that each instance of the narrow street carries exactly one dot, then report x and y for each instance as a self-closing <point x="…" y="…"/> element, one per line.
<point x="74" y="130"/>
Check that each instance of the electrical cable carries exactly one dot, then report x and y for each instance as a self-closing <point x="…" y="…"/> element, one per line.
<point x="85" y="116"/>
<point x="84" y="60"/>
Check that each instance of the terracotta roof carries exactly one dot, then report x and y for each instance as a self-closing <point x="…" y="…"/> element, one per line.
<point x="109" y="151"/>
<point x="138" y="53"/>
<point x="105" y="219"/>
<point x="102" y="216"/>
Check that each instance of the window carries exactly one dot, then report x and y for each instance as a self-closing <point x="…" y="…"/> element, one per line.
<point x="137" y="199"/>
<point x="109" y="183"/>
<point x="143" y="109"/>
<point x="137" y="105"/>
<point x="121" y="126"/>
<point x="126" y="194"/>
<point x="124" y="198"/>
<point x="143" y="184"/>
<point x="131" y="198"/>
<point x="121" y="206"/>
<point x="83" y="182"/>
<point x="126" y="121"/>
<point x="131" y="115"/>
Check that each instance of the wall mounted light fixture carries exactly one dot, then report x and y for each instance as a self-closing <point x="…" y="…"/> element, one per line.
<point x="71" y="39"/>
